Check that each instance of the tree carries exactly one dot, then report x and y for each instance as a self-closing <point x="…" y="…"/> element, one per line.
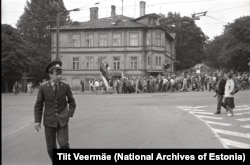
<point x="232" y="47"/>
<point x="14" y="58"/>
<point x="190" y="40"/>
<point x="34" y="25"/>
<point x="213" y="50"/>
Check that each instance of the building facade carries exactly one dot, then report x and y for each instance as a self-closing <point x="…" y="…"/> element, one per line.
<point x="134" y="47"/>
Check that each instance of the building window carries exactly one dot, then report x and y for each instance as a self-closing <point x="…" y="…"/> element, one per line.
<point x="158" y="39"/>
<point x="90" y="40"/>
<point x="154" y="21"/>
<point x="103" y="40"/>
<point x="148" y="60"/>
<point x="148" y="39"/>
<point x="158" y="61"/>
<point x="117" y="63"/>
<point x="76" y="63"/>
<point x="133" y="39"/>
<point x="89" y="63"/>
<point x="117" y="37"/>
<point x="133" y="63"/>
<point x="76" y="40"/>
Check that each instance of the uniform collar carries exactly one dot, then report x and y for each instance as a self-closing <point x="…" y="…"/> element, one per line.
<point x="53" y="83"/>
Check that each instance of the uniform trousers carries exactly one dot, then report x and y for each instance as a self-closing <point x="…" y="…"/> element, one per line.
<point x="219" y="102"/>
<point x="59" y="133"/>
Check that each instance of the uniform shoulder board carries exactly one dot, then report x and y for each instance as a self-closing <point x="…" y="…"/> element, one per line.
<point x="45" y="83"/>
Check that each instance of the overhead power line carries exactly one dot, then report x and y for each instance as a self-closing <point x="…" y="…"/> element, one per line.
<point x="229" y="8"/>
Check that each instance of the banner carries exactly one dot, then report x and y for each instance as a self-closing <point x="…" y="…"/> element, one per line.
<point x="104" y="70"/>
<point x="105" y="82"/>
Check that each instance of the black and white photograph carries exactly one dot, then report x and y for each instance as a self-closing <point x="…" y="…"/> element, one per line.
<point x="126" y="75"/>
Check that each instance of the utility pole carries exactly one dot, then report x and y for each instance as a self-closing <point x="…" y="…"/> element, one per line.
<point x="58" y="29"/>
<point x="57" y="35"/>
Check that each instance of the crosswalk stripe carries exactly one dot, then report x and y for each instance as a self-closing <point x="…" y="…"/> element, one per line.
<point x="235" y="143"/>
<point x="217" y="123"/>
<point x="197" y="110"/>
<point x="205" y="113"/>
<point x="240" y="106"/>
<point x="242" y="109"/>
<point x="243" y="113"/>
<point x="199" y="107"/>
<point x="233" y="133"/>
<point x="244" y="119"/>
<point x="245" y="126"/>
<point x="184" y="107"/>
<point x="209" y="117"/>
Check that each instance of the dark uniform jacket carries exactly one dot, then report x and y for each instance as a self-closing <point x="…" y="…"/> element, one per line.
<point x="221" y="87"/>
<point x="54" y="108"/>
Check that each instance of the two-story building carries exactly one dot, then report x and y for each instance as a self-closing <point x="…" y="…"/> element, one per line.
<point x="135" y="47"/>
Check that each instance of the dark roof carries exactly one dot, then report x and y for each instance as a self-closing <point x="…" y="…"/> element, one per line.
<point x="104" y="23"/>
<point x="148" y="15"/>
<point x="119" y="21"/>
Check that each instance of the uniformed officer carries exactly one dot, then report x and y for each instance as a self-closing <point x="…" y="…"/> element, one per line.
<point x="52" y="102"/>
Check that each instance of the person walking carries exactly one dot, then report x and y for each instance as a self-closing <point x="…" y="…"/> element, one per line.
<point x="220" y="91"/>
<point x="82" y="85"/>
<point x="229" y="95"/>
<point x="52" y="102"/>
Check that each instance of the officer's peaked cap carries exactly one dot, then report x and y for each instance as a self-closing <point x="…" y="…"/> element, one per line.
<point x="53" y="65"/>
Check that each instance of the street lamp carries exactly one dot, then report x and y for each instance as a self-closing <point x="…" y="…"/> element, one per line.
<point x="57" y="30"/>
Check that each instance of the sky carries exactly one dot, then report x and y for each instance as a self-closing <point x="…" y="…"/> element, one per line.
<point x="219" y="12"/>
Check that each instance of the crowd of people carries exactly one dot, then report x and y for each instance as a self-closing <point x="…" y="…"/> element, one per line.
<point x="170" y="83"/>
<point x="17" y="88"/>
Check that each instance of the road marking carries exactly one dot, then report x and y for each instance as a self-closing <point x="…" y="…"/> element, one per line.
<point x="235" y="143"/>
<point x="239" y="110"/>
<point x="184" y="107"/>
<point x="200" y="107"/>
<point x="245" y="126"/>
<point x="198" y="110"/>
<point x="209" y="117"/>
<point x="16" y="130"/>
<point x="239" y="134"/>
<point x="218" y="123"/>
<point x="243" y="113"/>
<point x="205" y="113"/>
<point x="187" y="109"/>
<point x="243" y="119"/>
<point x="239" y="106"/>
<point x="242" y="109"/>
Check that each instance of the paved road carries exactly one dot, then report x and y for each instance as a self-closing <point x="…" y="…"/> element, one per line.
<point x="161" y="120"/>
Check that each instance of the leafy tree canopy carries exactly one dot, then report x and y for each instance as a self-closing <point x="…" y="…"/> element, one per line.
<point x="34" y="25"/>
<point x="231" y="50"/>
<point x="190" y="40"/>
<point x="14" y="57"/>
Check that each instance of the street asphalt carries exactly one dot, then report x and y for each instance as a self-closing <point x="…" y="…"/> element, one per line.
<point x="131" y="121"/>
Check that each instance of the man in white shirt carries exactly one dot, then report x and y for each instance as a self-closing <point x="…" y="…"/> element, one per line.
<point x="229" y="96"/>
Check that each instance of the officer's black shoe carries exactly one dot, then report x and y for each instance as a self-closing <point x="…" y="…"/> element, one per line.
<point x="217" y="112"/>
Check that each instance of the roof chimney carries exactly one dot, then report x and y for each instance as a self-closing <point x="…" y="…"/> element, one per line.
<point x="113" y="11"/>
<point x="93" y="13"/>
<point x="142" y="8"/>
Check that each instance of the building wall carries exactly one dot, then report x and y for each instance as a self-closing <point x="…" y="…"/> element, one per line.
<point x="70" y="48"/>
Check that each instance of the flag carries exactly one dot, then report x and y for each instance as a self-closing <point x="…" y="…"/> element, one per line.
<point x="107" y="66"/>
<point x="104" y="73"/>
<point x="104" y="70"/>
<point x="105" y="82"/>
